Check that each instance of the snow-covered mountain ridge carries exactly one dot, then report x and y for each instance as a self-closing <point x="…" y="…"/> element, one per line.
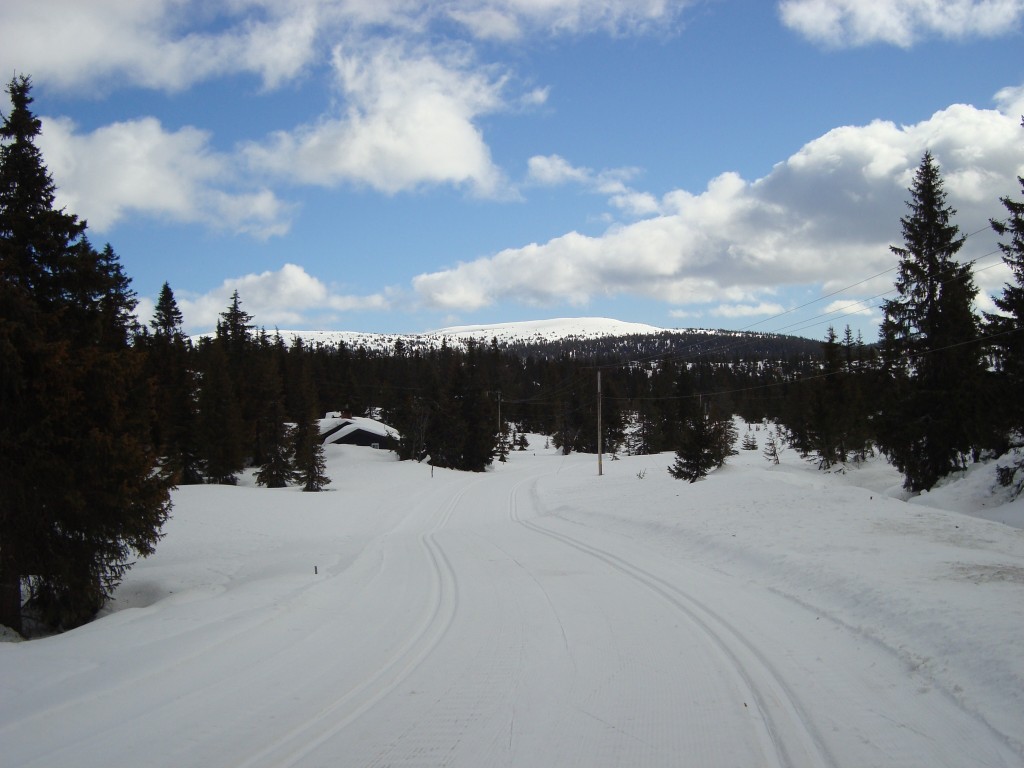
<point x="534" y="331"/>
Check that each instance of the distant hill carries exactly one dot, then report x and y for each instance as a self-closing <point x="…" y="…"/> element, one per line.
<point x="530" y="332"/>
<point x="582" y="336"/>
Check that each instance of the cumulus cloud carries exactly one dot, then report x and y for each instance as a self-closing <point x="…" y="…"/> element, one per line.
<point x="161" y="44"/>
<point x="287" y="298"/>
<point x="844" y="23"/>
<point x="824" y="217"/>
<point x="555" y="170"/>
<point x="408" y="120"/>
<point x="173" y="44"/>
<point x="138" y="167"/>
<point x="408" y="112"/>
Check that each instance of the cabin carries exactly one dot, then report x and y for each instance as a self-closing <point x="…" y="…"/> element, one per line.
<point x="341" y="428"/>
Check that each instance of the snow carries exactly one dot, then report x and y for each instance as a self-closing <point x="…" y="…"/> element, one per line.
<point x="534" y="331"/>
<point x="350" y="424"/>
<point x="540" y="615"/>
<point x="550" y="330"/>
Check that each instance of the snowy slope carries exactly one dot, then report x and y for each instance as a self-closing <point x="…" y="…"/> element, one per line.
<point x="549" y="330"/>
<point x="538" y="615"/>
<point x="532" y="331"/>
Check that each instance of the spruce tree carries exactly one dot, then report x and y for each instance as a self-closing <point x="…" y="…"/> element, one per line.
<point x="79" y="497"/>
<point x="167" y="318"/>
<point x="235" y="333"/>
<point x="278" y="469"/>
<point x="1006" y="329"/>
<point x="221" y="430"/>
<point x="772" y="447"/>
<point x="170" y="363"/>
<point x="1006" y="334"/>
<point x="274" y="437"/>
<point x="235" y="328"/>
<point x="836" y="426"/>
<point x="706" y="441"/>
<point x="929" y="341"/>
<point x="309" y="461"/>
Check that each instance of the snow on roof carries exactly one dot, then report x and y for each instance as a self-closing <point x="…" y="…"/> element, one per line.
<point x="350" y="424"/>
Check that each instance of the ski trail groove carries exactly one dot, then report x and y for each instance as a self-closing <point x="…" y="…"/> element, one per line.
<point x="794" y="740"/>
<point x="290" y="748"/>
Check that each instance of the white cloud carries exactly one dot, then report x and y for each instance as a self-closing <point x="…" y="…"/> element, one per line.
<point x="287" y="298"/>
<point x="409" y="121"/>
<point x="161" y="44"/>
<point x="824" y="217"/>
<point x="843" y="23"/>
<point x="1011" y="101"/>
<point x="555" y="170"/>
<point x="173" y="44"/>
<point x="733" y="311"/>
<point x="137" y="167"/>
<point x="636" y="204"/>
<point x="410" y="98"/>
<point x="842" y="309"/>
<point x="508" y="20"/>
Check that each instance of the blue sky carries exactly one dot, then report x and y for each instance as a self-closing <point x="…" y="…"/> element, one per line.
<point x="399" y="166"/>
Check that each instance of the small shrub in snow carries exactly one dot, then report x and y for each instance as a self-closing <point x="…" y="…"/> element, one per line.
<point x="771" y="448"/>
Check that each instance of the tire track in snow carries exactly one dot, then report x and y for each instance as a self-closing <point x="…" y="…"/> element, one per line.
<point x="790" y="737"/>
<point x="296" y="744"/>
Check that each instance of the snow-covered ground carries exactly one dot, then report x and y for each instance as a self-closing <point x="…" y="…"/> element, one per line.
<point x="539" y="615"/>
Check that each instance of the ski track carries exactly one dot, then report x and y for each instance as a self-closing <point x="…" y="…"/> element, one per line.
<point x="514" y="636"/>
<point x="795" y="738"/>
<point x="291" y="748"/>
<point x="790" y="741"/>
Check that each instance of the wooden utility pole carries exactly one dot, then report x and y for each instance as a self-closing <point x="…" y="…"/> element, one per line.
<point x="600" y="447"/>
<point x="498" y="393"/>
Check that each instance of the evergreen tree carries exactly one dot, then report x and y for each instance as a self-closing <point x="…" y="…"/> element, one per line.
<point x="309" y="461"/>
<point x="221" y="430"/>
<point x="930" y="344"/>
<point x="706" y="441"/>
<point x="479" y="439"/>
<point x="836" y="426"/>
<point x="504" y="444"/>
<point x="1006" y="332"/>
<point x="235" y="328"/>
<point x="78" y="493"/>
<point x="170" y="365"/>
<point x="274" y="436"/>
<point x="1006" y="329"/>
<point x="167" y="318"/>
<point x="772" y="447"/>
<point x="278" y="469"/>
<point x="235" y="333"/>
